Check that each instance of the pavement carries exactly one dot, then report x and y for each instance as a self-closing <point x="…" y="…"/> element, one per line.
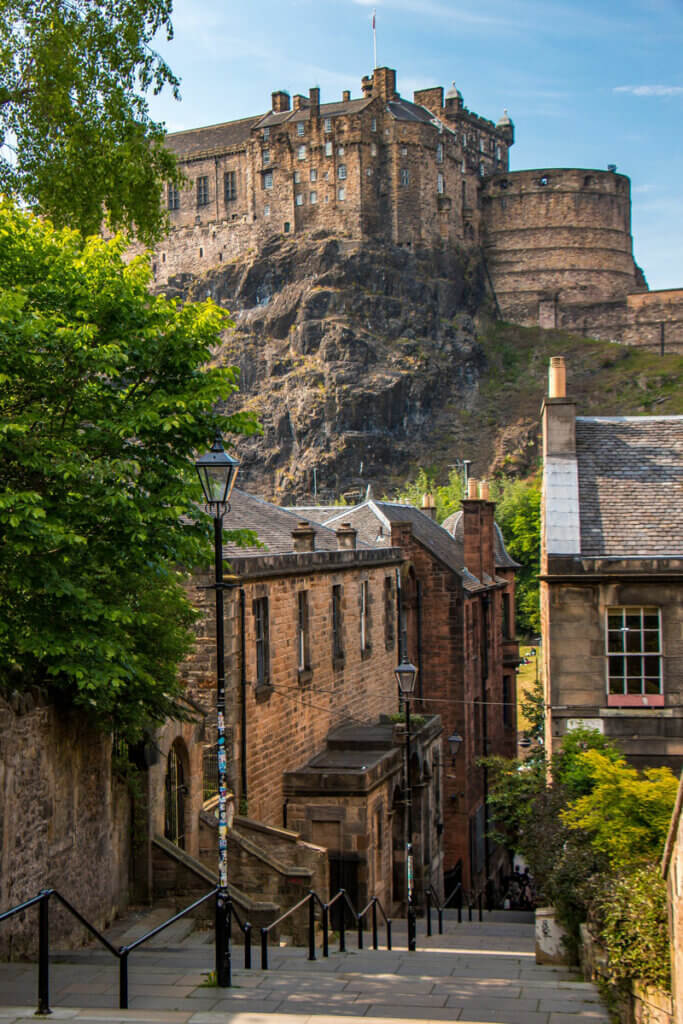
<point x="475" y="972"/>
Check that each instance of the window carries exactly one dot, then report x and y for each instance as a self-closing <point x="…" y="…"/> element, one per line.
<point x="507" y="703"/>
<point x="365" y="616"/>
<point x="301" y="128"/>
<point x="297" y="177"/>
<point x="328" y="148"/>
<point x="464" y="194"/>
<point x="341" y="194"/>
<point x="464" y="141"/>
<point x="266" y="134"/>
<point x="499" y="153"/>
<point x="265" y="157"/>
<point x="173" y="197"/>
<point x="482" y="169"/>
<point x="405" y="176"/>
<point x="268" y="180"/>
<point x="341" y="172"/>
<point x="507" y="617"/>
<point x="203" y="190"/>
<point x="313" y="198"/>
<point x="340" y="151"/>
<point x="373" y="149"/>
<point x="303" y="645"/>
<point x="327" y="125"/>
<point x="287" y="226"/>
<point x="266" y="211"/>
<point x="482" y="145"/>
<point x="634" y="657"/>
<point x="230" y="186"/>
<point x="313" y="176"/>
<point x="404" y="151"/>
<point x="261" y="633"/>
<point x="439" y="153"/>
<point x="439" y="184"/>
<point x="337" y="624"/>
<point x="301" y="153"/>
<point x="373" y="125"/>
<point x="389" y="612"/>
<point x="299" y="199"/>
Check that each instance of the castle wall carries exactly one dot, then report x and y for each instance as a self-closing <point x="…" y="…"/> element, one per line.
<point x="559" y="234"/>
<point x="654" y="320"/>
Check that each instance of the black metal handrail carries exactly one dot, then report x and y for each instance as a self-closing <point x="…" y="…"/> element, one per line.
<point x="432" y="900"/>
<point x="122" y="953"/>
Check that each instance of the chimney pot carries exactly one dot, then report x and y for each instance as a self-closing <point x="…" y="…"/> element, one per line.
<point x="346" y="95"/>
<point x="557" y="378"/>
<point x="303" y="536"/>
<point x="473" y="488"/>
<point x="484" y="492"/>
<point x="429" y="505"/>
<point x="346" y="537"/>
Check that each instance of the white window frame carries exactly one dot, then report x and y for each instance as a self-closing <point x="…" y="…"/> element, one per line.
<point x="299" y="199"/>
<point x="439" y="184"/>
<point x="341" y="172"/>
<point x="301" y="153"/>
<point x="265" y="157"/>
<point x="341" y="194"/>
<point x="328" y="147"/>
<point x="300" y="129"/>
<point x="313" y="176"/>
<point x="327" y="125"/>
<point x="268" y="180"/>
<point x="439" y="152"/>
<point x="636" y="661"/>
<point x="313" y="198"/>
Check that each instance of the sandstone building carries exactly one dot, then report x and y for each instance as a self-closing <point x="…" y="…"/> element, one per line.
<point x="427" y="173"/>
<point x="612" y="577"/>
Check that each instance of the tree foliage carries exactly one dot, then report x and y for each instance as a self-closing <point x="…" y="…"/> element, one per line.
<point x="447" y="497"/>
<point x="104" y="397"/>
<point x="75" y="133"/>
<point x="518" y="513"/>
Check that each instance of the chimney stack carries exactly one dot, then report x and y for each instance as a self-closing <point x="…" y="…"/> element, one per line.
<point x="346" y="537"/>
<point x="366" y="86"/>
<point x="429" y="506"/>
<point x="557" y="378"/>
<point x="314" y="101"/>
<point x="299" y="101"/>
<point x="303" y="536"/>
<point x="558" y="414"/>
<point x="279" y="101"/>
<point x="346" y="96"/>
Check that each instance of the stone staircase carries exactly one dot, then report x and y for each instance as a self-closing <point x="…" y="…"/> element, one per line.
<point x="474" y="972"/>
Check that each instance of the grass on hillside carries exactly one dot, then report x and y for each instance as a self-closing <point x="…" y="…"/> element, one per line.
<point x="526" y="678"/>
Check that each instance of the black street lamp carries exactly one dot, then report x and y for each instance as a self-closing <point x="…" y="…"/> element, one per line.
<point x="217" y="472"/>
<point x="406" y="674"/>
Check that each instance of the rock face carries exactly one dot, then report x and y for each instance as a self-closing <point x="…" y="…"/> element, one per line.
<point x="353" y="356"/>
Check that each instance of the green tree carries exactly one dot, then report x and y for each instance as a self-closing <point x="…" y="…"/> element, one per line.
<point x="76" y="138"/>
<point x="447" y="497"/>
<point x="104" y="397"/>
<point x="518" y="513"/>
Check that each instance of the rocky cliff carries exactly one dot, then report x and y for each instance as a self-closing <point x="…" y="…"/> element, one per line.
<point x="365" y="361"/>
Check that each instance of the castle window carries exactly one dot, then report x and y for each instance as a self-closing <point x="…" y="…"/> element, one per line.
<point x="463" y="167"/>
<point x="265" y="156"/>
<point x="504" y="183"/>
<point x="439" y="153"/>
<point x="439" y="184"/>
<point x="314" y="174"/>
<point x="340" y="151"/>
<point x="341" y="172"/>
<point x="301" y="128"/>
<point x="482" y="169"/>
<point x="499" y="153"/>
<point x="369" y="172"/>
<point x="297" y="177"/>
<point x="266" y="211"/>
<point x="301" y="153"/>
<point x="464" y="194"/>
<point x="464" y="140"/>
<point x="373" y="125"/>
<point x="173" y="197"/>
<point x="328" y="125"/>
<point x="203" y="190"/>
<point x="286" y="227"/>
<point x="268" y="180"/>
<point x="341" y="194"/>
<point x="482" y="145"/>
<point x="543" y="180"/>
<point x="405" y="176"/>
<point x="299" y="199"/>
<point x="230" y="182"/>
<point x="373" y="149"/>
<point x="266" y="134"/>
<point x="328" y="149"/>
<point x="404" y="151"/>
<point x="313" y="198"/>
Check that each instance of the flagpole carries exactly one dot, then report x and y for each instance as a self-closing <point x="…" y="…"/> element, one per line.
<point x="374" y="35"/>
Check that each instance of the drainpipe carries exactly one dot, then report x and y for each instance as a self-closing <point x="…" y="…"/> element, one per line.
<point x="419" y="639"/>
<point x="399" y="615"/>
<point x="243" y="705"/>
<point x="486" y="604"/>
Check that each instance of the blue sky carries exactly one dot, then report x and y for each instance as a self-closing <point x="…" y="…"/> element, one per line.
<point x="587" y="84"/>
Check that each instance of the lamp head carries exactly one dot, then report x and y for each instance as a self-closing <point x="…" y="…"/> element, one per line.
<point x="217" y="472"/>
<point x="406" y="674"/>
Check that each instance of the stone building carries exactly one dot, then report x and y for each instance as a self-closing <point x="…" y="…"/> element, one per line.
<point x="427" y="173"/>
<point x="457" y="608"/>
<point x="612" y="577"/>
<point x="311" y="648"/>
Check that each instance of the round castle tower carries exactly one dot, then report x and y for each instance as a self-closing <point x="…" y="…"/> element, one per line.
<point x="560" y="236"/>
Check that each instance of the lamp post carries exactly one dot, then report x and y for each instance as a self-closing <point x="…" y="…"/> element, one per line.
<point x="217" y="471"/>
<point x="406" y="673"/>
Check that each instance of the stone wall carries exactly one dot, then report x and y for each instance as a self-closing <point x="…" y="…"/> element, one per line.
<point x="654" y="320"/>
<point x="64" y="822"/>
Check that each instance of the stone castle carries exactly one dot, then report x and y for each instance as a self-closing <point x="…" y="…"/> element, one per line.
<point x="556" y="243"/>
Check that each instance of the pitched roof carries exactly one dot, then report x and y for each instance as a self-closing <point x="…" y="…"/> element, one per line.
<point x="630" y="471"/>
<point x="455" y="526"/>
<point x="304" y="113"/>
<point x="214" y="137"/>
<point x="272" y="524"/>
<point x="404" y="110"/>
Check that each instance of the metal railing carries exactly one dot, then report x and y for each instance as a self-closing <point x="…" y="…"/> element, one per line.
<point x="313" y="899"/>
<point x="432" y="900"/>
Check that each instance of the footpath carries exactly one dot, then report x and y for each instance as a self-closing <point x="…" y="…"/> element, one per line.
<point x="475" y="972"/>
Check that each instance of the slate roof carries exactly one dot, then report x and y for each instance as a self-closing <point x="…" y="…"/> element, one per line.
<point x="630" y="471"/>
<point x="455" y="525"/>
<point x="304" y="113"/>
<point x="272" y="524"/>
<point x="404" y="110"/>
<point x="215" y="137"/>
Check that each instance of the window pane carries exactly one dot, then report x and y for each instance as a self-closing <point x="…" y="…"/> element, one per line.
<point x="650" y="641"/>
<point x="616" y="667"/>
<point x="634" y="686"/>
<point x="634" y="640"/>
<point x="616" y="685"/>
<point x="614" y="620"/>
<point x="650" y="619"/>
<point x="615" y="641"/>
<point x="633" y="619"/>
<point x="652" y="686"/>
<point x="651" y="666"/>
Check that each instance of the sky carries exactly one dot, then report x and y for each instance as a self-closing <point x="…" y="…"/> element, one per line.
<point x="586" y="84"/>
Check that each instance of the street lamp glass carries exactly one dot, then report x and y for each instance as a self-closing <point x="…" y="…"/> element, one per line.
<point x="217" y="472"/>
<point x="406" y="674"/>
<point x="454" y="743"/>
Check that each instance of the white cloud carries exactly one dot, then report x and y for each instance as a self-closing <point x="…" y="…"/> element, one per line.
<point x="651" y="90"/>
